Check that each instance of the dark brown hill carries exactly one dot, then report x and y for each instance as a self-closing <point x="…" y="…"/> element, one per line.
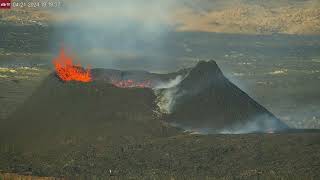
<point x="207" y="100"/>
<point x="58" y="111"/>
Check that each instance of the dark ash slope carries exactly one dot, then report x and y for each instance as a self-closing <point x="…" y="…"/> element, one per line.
<point x="207" y="100"/>
<point x="58" y="111"/>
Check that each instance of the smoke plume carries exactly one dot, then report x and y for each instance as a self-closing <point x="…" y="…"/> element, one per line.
<point x="170" y="84"/>
<point x="166" y="93"/>
<point x="116" y="34"/>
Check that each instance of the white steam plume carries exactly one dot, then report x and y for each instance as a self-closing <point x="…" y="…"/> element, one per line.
<point x="166" y="94"/>
<point x="116" y="34"/>
<point x="171" y="83"/>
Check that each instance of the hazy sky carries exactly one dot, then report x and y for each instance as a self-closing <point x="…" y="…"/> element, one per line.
<point x="232" y="16"/>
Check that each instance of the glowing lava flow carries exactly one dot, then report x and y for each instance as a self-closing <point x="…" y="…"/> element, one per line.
<point x="131" y="84"/>
<point x="67" y="71"/>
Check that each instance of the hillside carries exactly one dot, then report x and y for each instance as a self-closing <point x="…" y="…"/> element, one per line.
<point x="251" y="18"/>
<point x="208" y="102"/>
<point x="83" y="112"/>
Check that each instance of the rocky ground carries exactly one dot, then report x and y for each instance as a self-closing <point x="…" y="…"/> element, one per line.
<point x="270" y="156"/>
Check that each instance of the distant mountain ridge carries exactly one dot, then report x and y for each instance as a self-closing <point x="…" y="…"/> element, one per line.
<point x="250" y="18"/>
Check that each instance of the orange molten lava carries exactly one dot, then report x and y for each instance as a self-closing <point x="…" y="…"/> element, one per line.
<point x="131" y="84"/>
<point x="67" y="71"/>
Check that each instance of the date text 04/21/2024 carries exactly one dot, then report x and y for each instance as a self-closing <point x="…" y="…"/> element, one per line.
<point x="42" y="4"/>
